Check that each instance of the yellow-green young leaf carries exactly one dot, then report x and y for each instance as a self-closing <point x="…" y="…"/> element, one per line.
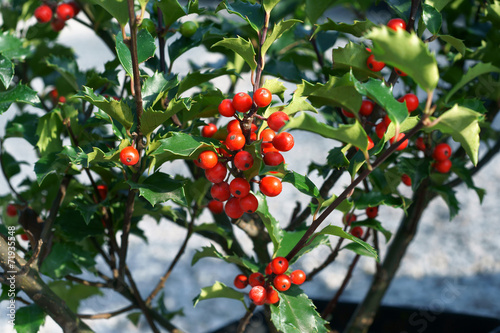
<point x="357" y="29"/>
<point x="352" y="57"/>
<point x="242" y="47"/>
<point x="338" y="231"/>
<point x="276" y="33"/>
<point x="219" y="290"/>
<point x="405" y="126"/>
<point x="276" y="87"/>
<point x="473" y="72"/>
<point x="49" y="133"/>
<point x="118" y="110"/>
<point x="463" y="125"/>
<point x="407" y="52"/>
<point x="117" y="8"/>
<point x="455" y="42"/>
<point x="269" y="4"/>
<point x="353" y="134"/>
<point x="151" y="119"/>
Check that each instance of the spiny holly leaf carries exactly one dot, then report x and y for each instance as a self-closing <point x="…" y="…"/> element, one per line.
<point x="6" y="71"/>
<point x="401" y="7"/>
<point x="374" y="224"/>
<point x="463" y="126"/>
<point x="182" y="145"/>
<point x="406" y="125"/>
<point x="269" y="4"/>
<point x="252" y="13"/>
<point x="271" y="224"/>
<point x="432" y="18"/>
<point x="219" y="290"/>
<point x="276" y="87"/>
<point x="337" y="92"/>
<point x="118" y="110"/>
<point x="49" y="164"/>
<point x="146" y="48"/>
<point x="160" y="187"/>
<point x="455" y="42"/>
<point x="301" y="183"/>
<point x="66" y="258"/>
<point x="336" y="158"/>
<point x="12" y="47"/>
<point x="338" y="231"/>
<point x="151" y="119"/>
<point x="86" y="209"/>
<point x="194" y="79"/>
<point x="296" y="313"/>
<point x="352" y="57"/>
<point x="155" y="86"/>
<point x="316" y="8"/>
<point x="117" y="8"/>
<point x="29" y="319"/>
<point x="357" y="28"/>
<point x="242" y="47"/>
<point x="297" y="104"/>
<point x="473" y="72"/>
<point x="377" y="91"/>
<point x="353" y="134"/>
<point x="68" y="68"/>
<point x="407" y="52"/>
<point x="211" y="252"/>
<point x="290" y="239"/>
<point x="10" y="166"/>
<point x="278" y="30"/>
<point x="19" y="94"/>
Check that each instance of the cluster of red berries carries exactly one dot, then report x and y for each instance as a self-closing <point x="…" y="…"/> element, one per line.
<point x="266" y="288"/>
<point x="55" y="98"/>
<point x="371" y="213"/>
<point x="63" y="12"/>
<point x="11" y="211"/>
<point x="377" y="66"/>
<point x="233" y="158"/>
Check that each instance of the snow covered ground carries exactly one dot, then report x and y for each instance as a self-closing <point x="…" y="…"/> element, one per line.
<point x="450" y="266"/>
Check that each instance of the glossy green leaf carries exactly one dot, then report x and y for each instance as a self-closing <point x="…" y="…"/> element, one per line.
<point x="338" y="231"/>
<point x="296" y="313"/>
<point x="492" y="12"/>
<point x="155" y="86"/>
<point x="269" y="4"/>
<point x="272" y="225"/>
<point x="151" y="119"/>
<point x="455" y="42"/>
<point x="253" y="13"/>
<point x="12" y="47"/>
<point x="448" y="195"/>
<point x="353" y="57"/>
<point x="438" y="4"/>
<point x="301" y="183"/>
<point x="87" y="209"/>
<point x="49" y="164"/>
<point x="29" y="319"/>
<point x="298" y="103"/>
<point x="407" y="52"/>
<point x="66" y="258"/>
<point x="373" y="224"/>
<point x="211" y="252"/>
<point x="19" y="94"/>
<point x="277" y="31"/>
<point x="357" y="28"/>
<point x="194" y="79"/>
<point x="336" y="158"/>
<point x="10" y="166"/>
<point x="242" y="47"/>
<point x="117" y="8"/>
<point x="291" y="238"/>
<point x="171" y="10"/>
<point x="432" y="18"/>
<point x="68" y="69"/>
<point x="182" y="145"/>
<point x="219" y="290"/>
<point x="401" y="7"/>
<point x="159" y="188"/>
<point x="372" y="199"/>
<point x="356" y="248"/>
<point x="316" y="8"/>
<point x="6" y="71"/>
<point x="473" y="72"/>
<point x="276" y="87"/>
<point x="146" y="48"/>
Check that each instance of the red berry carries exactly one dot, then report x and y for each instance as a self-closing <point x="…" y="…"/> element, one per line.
<point x="233" y="209"/>
<point x="357" y="232"/>
<point x="403" y="145"/>
<point x="282" y="282"/>
<point x="65" y="12"/>
<point x="249" y="203"/>
<point x="298" y="276"/>
<point x="277" y="120"/>
<point x="349" y="218"/>
<point x="406" y="179"/>
<point x="242" y="102"/>
<point x="226" y="108"/>
<point x="207" y="159"/>
<point x="243" y="160"/>
<point x="283" y="141"/>
<point x="273" y="158"/>
<point x="347" y="113"/>
<point x="420" y="144"/>
<point x="366" y="108"/>
<point x="208" y="130"/>
<point x="270" y="186"/>
<point x="256" y="279"/>
<point x="43" y="14"/>
<point x="262" y="97"/>
<point x="217" y="173"/>
<point x="220" y="191"/>
<point x="24" y="237"/>
<point x="129" y="156"/>
<point x="268" y="270"/>
<point x="380" y="129"/>
<point x="57" y="24"/>
<point x="239" y="187"/>
<point x="273" y="296"/>
<point x="233" y="126"/>
<point x="258" y="295"/>
<point x="235" y="140"/>
<point x="399" y="72"/>
<point x="103" y="191"/>
<point x="241" y="281"/>
<point x="396" y="24"/>
<point x="11" y="210"/>
<point x="372" y="212"/>
<point x="442" y="152"/>
<point x="279" y="265"/>
<point x="373" y="64"/>
<point x="411" y="101"/>
<point x="216" y="207"/>
<point x="443" y="166"/>
<point x="75" y="6"/>
<point x="62" y="100"/>
<point x="267" y="137"/>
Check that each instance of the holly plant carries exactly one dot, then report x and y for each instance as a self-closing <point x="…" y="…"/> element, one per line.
<point x="402" y="100"/>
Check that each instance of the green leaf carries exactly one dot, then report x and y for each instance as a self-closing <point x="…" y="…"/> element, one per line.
<point x="352" y="57"/>
<point x="154" y="88"/>
<point x="290" y="239"/>
<point x="29" y="319"/>
<point x="301" y="183"/>
<point x="64" y="259"/>
<point x="353" y="134"/>
<point x="49" y="164"/>
<point x="68" y="68"/>
<point x="86" y="209"/>
<point x="338" y="231"/>
<point x="371" y="199"/>
<point x="276" y="87"/>
<point x="117" y="8"/>
<point x="254" y="14"/>
<point x="12" y="47"/>
<point x="211" y="252"/>
<point x="455" y="42"/>
<point x="438" y="4"/>
<point x="492" y="12"/>
<point x="448" y="195"/>
<point x="49" y="131"/>
<point x="159" y="188"/>
<point x="432" y="18"/>
<point x="356" y="248"/>
<point x="242" y="47"/>
<point x="473" y="72"/>
<point x="272" y="225"/>
<point x="73" y="293"/>
<point x="336" y="158"/>
<point x="269" y="4"/>
<point x="277" y="31"/>
<point x="19" y="94"/>
<point x="219" y="290"/>
<point x="181" y="145"/>
<point x="10" y="166"/>
<point x="194" y="79"/>
<point x="146" y="48"/>
<point x="374" y="224"/>
<point x="463" y="126"/>
<point x="297" y="104"/>
<point x="401" y="7"/>
<point x="407" y="52"/>
<point x="171" y="10"/>
<point x="117" y="110"/>
<point x="151" y="119"/>
<point x="296" y="313"/>
<point x="316" y="8"/>
<point x="357" y="28"/>
<point x="6" y="71"/>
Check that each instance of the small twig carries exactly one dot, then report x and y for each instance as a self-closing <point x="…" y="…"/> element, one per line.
<point x="88" y="283"/>
<point x="108" y="314"/>
<point x="246" y="319"/>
